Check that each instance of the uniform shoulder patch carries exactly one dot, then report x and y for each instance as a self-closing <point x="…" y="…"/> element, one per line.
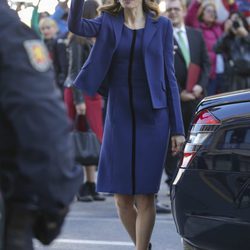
<point x="38" y="55"/>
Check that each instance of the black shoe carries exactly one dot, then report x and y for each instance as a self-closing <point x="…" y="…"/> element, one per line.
<point x="84" y="193"/>
<point x="149" y="246"/>
<point x="162" y="209"/>
<point x="95" y="195"/>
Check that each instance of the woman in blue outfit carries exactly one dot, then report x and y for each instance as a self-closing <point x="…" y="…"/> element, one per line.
<point x="132" y="62"/>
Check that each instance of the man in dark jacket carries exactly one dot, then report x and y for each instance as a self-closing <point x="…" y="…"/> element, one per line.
<point x="38" y="178"/>
<point x="190" y="49"/>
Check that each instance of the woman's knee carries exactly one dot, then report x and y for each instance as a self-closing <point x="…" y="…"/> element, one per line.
<point x="124" y="202"/>
<point x="145" y="202"/>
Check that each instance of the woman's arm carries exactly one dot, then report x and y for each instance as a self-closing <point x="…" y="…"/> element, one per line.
<point x="34" y="23"/>
<point x="75" y="63"/>
<point x="61" y="60"/>
<point x="77" y="96"/>
<point x="58" y="14"/>
<point x="75" y="60"/>
<point x="81" y="26"/>
<point x="191" y="18"/>
<point x="175" y="115"/>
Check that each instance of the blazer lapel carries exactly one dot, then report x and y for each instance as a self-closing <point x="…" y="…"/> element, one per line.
<point x="178" y="50"/>
<point x="149" y="31"/>
<point x="118" y="22"/>
<point x="191" y="42"/>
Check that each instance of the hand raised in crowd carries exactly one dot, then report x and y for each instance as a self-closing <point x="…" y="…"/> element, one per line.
<point x="241" y="31"/>
<point x="37" y="3"/>
<point x="64" y="4"/>
<point x="177" y="142"/>
<point x="236" y="27"/>
<point x="81" y="108"/>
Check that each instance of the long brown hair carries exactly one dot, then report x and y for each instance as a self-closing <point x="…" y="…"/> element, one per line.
<point x="149" y="6"/>
<point x="90" y="9"/>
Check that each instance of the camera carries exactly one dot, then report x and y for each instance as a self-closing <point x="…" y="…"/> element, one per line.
<point x="236" y="24"/>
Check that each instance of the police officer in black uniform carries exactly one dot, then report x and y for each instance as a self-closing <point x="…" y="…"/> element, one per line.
<point x="38" y="178"/>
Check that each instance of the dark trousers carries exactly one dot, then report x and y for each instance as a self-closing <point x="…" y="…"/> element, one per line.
<point x="18" y="228"/>
<point x="171" y="163"/>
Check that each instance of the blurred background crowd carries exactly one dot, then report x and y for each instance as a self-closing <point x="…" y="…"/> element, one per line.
<point x="224" y="25"/>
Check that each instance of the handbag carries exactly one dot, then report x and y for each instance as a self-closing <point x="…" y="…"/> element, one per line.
<point x="87" y="146"/>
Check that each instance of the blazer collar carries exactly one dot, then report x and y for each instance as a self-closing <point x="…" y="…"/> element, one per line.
<point x="178" y="50"/>
<point x="149" y="31"/>
<point x="192" y="42"/>
<point x="118" y="22"/>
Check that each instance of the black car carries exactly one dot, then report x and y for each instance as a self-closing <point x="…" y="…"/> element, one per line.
<point x="211" y="192"/>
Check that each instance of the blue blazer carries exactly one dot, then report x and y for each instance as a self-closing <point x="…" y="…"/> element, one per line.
<point x="157" y="50"/>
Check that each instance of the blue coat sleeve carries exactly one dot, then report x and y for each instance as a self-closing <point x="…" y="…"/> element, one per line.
<point x="58" y="14"/>
<point x="175" y="115"/>
<point x="81" y="26"/>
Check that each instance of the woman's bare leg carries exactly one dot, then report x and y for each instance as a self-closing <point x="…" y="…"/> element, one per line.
<point x="127" y="213"/>
<point x="145" y="221"/>
<point x="90" y="173"/>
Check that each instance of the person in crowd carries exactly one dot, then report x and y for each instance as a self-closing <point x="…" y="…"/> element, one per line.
<point x="61" y="60"/>
<point x="202" y="14"/>
<point x="38" y="178"/>
<point x="36" y="17"/>
<point x="190" y="48"/>
<point x="57" y="49"/>
<point x="59" y="16"/>
<point x="235" y="47"/>
<point x="133" y="58"/>
<point x="80" y="104"/>
<point x="49" y="31"/>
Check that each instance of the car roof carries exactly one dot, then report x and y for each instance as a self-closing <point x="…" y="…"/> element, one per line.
<point x="225" y="98"/>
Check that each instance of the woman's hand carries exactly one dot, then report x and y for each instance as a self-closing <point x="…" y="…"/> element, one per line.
<point x="241" y="31"/>
<point x="81" y="108"/>
<point x="177" y="142"/>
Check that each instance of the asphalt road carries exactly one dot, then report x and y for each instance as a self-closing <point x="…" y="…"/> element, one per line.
<point x="95" y="226"/>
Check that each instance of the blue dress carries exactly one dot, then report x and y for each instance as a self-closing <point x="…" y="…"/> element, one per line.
<point x="135" y="135"/>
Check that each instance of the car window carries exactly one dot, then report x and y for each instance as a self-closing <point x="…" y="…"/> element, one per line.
<point x="231" y="150"/>
<point x="238" y="138"/>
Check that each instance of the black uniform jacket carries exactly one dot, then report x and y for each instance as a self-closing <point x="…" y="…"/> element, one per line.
<point x="36" y="153"/>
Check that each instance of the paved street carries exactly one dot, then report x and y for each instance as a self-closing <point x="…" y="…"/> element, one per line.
<point x="95" y="226"/>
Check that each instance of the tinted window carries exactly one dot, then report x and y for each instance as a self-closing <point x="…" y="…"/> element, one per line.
<point x="232" y="151"/>
<point x="238" y="138"/>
